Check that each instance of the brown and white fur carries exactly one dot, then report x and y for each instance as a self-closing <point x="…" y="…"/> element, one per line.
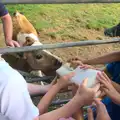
<point x="40" y="60"/>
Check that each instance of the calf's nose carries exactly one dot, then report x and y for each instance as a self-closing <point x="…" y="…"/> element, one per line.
<point x="57" y="63"/>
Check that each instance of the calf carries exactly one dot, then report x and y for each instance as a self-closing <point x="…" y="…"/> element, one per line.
<point x="26" y="35"/>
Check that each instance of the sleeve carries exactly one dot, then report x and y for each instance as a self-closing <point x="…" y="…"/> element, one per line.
<point x="110" y="68"/>
<point x="15" y="101"/>
<point x="3" y="10"/>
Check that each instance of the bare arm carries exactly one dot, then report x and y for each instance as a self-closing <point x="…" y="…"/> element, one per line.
<point x="38" y="89"/>
<point x="64" y="112"/>
<point x="78" y="115"/>
<point x="7" y="26"/>
<point x="116" y="86"/>
<point x="8" y="31"/>
<point x="108" y="58"/>
<point x="84" y="96"/>
<point x="47" y="98"/>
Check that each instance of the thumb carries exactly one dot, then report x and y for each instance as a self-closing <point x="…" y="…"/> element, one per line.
<point x="37" y="118"/>
<point x="99" y="105"/>
<point x="84" y="82"/>
<point x="97" y="101"/>
<point x="70" y="75"/>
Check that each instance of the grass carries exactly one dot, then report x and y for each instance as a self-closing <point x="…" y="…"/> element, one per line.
<point x="66" y="20"/>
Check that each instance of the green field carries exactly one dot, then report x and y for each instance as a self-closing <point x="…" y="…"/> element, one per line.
<point x="66" y="20"/>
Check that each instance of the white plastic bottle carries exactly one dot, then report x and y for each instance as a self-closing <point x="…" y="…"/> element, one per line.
<point x="80" y="74"/>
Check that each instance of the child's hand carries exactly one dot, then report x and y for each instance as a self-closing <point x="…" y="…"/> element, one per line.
<point x="37" y="118"/>
<point x="74" y="88"/>
<point x="53" y="81"/>
<point x="107" y="87"/>
<point x="102" y="113"/>
<point x="67" y="118"/>
<point x="87" y="94"/>
<point x="65" y="80"/>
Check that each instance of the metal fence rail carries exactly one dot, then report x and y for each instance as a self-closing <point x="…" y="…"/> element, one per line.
<point x="59" y="1"/>
<point x="58" y="45"/>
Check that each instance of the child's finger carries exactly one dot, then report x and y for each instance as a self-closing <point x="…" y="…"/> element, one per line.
<point x="96" y="87"/>
<point x="101" y="81"/>
<point x="74" y="90"/>
<point x="98" y="93"/>
<point x="83" y="67"/>
<point x="97" y="102"/>
<point x="105" y="90"/>
<point x="103" y="86"/>
<point x="37" y="118"/>
<point x="102" y="94"/>
<point x="88" y="67"/>
<point x="68" y="76"/>
<point x="100" y="75"/>
<point x="99" y="105"/>
<point x="93" y="104"/>
<point x="90" y="114"/>
<point x="85" y="81"/>
<point x="75" y="85"/>
<point x="106" y="77"/>
<point x="103" y="77"/>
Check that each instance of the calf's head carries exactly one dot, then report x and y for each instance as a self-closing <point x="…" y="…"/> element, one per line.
<point x="26" y="35"/>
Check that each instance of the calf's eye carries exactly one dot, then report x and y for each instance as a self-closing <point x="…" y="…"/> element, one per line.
<point x="38" y="56"/>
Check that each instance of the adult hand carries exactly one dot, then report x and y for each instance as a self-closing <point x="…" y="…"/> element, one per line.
<point x="75" y="62"/>
<point x="78" y="62"/>
<point x="75" y="58"/>
<point x="12" y="43"/>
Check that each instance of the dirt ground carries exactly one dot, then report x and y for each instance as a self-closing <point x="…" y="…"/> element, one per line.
<point x="84" y="52"/>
